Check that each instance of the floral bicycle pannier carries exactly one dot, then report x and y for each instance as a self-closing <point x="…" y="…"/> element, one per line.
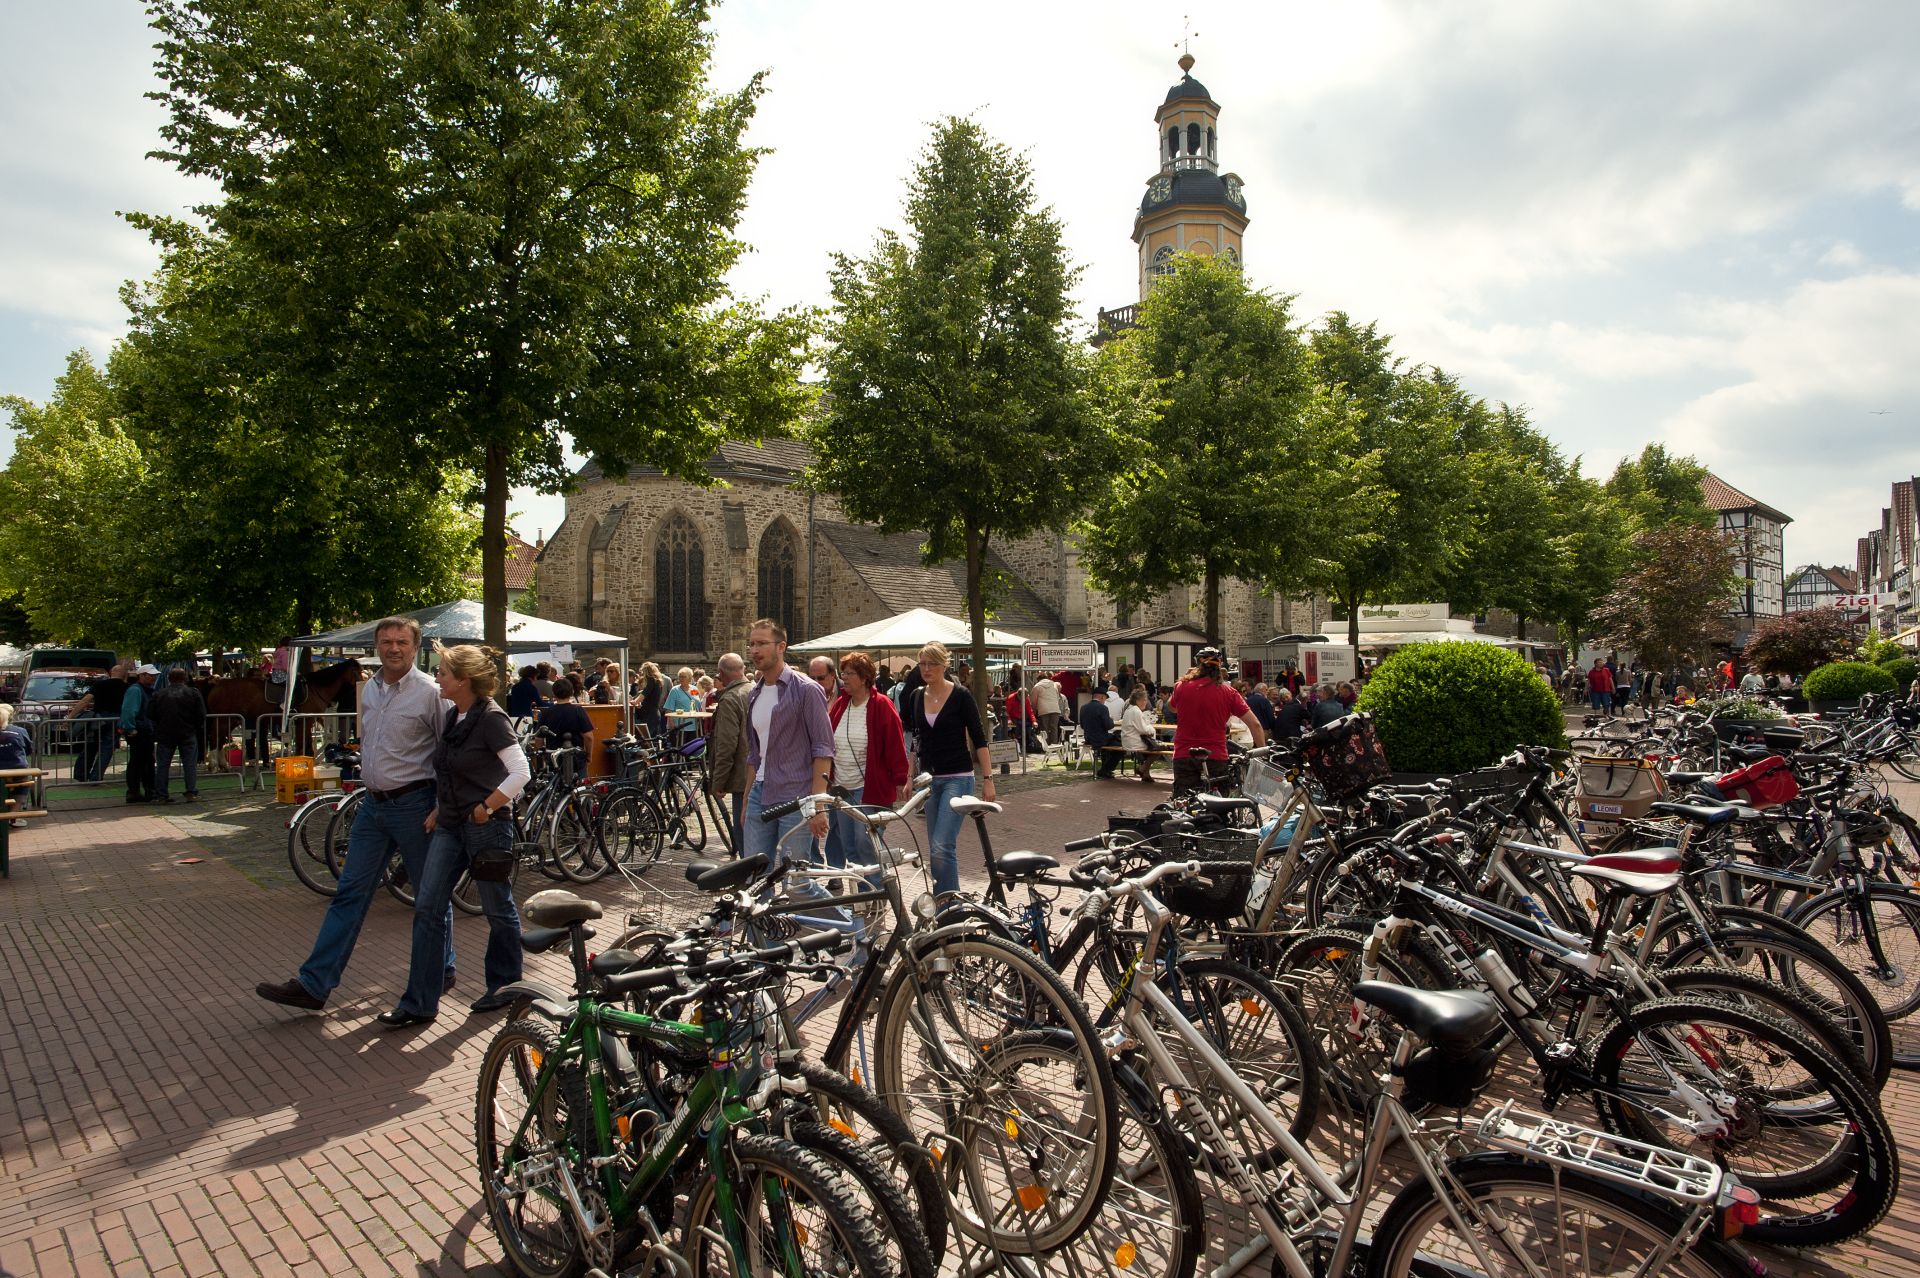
<point x="1345" y="757"/>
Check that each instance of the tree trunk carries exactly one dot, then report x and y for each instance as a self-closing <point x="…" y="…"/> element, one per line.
<point x="1352" y="604"/>
<point x="1213" y="604"/>
<point x="493" y="555"/>
<point x="977" y="617"/>
<point x="1521" y="626"/>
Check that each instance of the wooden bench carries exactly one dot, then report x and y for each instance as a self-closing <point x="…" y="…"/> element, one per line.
<point x="15" y="780"/>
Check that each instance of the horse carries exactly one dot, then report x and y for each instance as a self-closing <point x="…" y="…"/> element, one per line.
<point x="254" y="701"/>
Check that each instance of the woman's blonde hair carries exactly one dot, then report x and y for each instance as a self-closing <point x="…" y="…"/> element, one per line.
<point x="649" y="672"/>
<point x="6" y="714"/>
<point x="937" y="654"/>
<point x="478" y="666"/>
<point x="685" y="672"/>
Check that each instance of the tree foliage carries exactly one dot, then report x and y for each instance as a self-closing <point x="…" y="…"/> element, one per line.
<point x="1847" y="681"/>
<point x="1224" y="449"/>
<point x="958" y="401"/>
<point x="1658" y="488"/>
<point x="471" y="229"/>
<point x="1799" y="641"/>
<point x="1671" y="609"/>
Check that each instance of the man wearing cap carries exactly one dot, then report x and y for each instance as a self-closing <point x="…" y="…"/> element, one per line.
<point x="1203" y="704"/>
<point x="401" y="714"/>
<point x="137" y="728"/>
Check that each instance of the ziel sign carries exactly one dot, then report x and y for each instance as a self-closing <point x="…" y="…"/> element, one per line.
<point x="1854" y="603"/>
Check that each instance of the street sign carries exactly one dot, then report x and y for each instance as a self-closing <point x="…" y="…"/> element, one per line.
<point x="1071" y="655"/>
<point x="1856" y="602"/>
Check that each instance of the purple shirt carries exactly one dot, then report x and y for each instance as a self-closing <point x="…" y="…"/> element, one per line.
<point x="799" y="734"/>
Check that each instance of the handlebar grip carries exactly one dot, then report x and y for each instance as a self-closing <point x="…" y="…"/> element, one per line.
<point x="1084" y="845"/>
<point x="779" y="810"/>
<point x="646" y="980"/>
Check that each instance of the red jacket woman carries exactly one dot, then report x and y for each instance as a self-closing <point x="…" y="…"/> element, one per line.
<point x="878" y="765"/>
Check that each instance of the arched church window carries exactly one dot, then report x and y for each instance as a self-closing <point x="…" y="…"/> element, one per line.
<point x="1193" y="139"/>
<point x="597" y="576"/>
<point x="1163" y="261"/>
<point x="778" y="557"/>
<point x="679" y="588"/>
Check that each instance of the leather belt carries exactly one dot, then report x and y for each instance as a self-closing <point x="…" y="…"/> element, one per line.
<point x="387" y="795"/>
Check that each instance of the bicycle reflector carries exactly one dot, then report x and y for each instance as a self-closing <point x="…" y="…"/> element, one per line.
<point x="1739" y="1207"/>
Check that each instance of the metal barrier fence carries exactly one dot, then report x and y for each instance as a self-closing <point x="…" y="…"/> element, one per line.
<point x="90" y="752"/>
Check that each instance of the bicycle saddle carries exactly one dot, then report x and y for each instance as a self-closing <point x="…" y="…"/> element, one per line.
<point x="1023" y="865"/>
<point x="614" y="962"/>
<point x="538" y="940"/>
<point x="1681" y="780"/>
<point x="967" y="803"/>
<point x="1697" y="813"/>
<point x="725" y="876"/>
<point x="1636" y="882"/>
<point x="1638" y="861"/>
<point x="1455" y="1019"/>
<point x="557" y="907"/>
<point x="1221" y="804"/>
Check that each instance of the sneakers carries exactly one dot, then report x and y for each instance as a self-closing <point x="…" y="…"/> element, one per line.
<point x="289" y="994"/>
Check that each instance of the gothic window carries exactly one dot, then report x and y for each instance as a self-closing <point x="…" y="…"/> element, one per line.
<point x="777" y="594"/>
<point x="597" y="576"/>
<point x="679" y="588"/>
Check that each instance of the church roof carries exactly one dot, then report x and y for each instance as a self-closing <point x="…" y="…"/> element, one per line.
<point x="1188" y="88"/>
<point x="780" y="459"/>
<point x="1192" y="186"/>
<point x="890" y="566"/>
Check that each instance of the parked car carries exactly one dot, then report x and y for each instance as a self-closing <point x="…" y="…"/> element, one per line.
<point x="56" y="678"/>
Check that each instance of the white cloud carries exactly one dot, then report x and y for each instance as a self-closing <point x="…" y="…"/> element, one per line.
<point x="1843" y="254"/>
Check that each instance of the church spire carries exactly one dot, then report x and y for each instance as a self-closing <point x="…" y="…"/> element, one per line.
<point x="1190" y="206"/>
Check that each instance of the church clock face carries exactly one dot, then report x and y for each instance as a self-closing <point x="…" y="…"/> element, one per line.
<point x="1160" y="189"/>
<point x="1233" y="193"/>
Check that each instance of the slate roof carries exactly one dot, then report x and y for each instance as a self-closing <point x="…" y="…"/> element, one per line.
<point x="890" y="566"/>
<point x="1723" y="496"/>
<point x="1188" y="88"/>
<point x="1192" y="186"/>
<point x="779" y="459"/>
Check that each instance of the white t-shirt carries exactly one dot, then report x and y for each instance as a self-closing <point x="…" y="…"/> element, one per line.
<point x="763" y="708"/>
<point x="850" y="749"/>
<point x="1046" y="697"/>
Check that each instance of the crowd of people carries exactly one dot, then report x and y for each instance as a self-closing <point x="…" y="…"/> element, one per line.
<point x="1611" y="688"/>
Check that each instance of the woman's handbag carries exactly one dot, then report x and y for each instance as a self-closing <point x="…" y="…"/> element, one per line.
<point x="490" y="853"/>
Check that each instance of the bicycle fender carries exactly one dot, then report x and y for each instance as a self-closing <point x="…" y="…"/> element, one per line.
<point x="964" y="929"/>
<point x="547" y="1000"/>
<point x="972" y="918"/>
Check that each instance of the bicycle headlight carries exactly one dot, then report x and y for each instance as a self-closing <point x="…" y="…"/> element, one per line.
<point x="923" y="907"/>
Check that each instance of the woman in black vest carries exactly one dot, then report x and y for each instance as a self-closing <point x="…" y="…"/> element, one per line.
<point x="478" y="770"/>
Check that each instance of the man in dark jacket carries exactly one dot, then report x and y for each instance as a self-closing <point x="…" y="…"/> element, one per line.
<point x="1289" y="716"/>
<point x="178" y="715"/>
<point x="1096" y="724"/>
<point x="1258" y="703"/>
<point x="1328" y="707"/>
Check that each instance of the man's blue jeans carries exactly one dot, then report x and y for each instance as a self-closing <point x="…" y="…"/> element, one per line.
<point x="379" y="826"/>
<point x="757" y="836"/>
<point x="98" y="734"/>
<point x="189" y="765"/>
<point x="943" y="830"/>
<point x="447" y="856"/>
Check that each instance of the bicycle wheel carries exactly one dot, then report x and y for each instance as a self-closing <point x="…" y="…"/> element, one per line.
<point x="1837" y="921"/>
<point x="1798" y="1127"/>
<point x="1771" y="999"/>
<point x="797" y="1217"/>
<point x="307" y="845"/>
<point x="985" y="1050"/>
<point x="904" y="1245"/>
<point x="1561" y="1222"/>
<point x="631" y="831"/>
<point x="521" y="1171"/>
<point x="1153" y="1222"/>
<point x="686" y="815"/>
<point x="466" y="895"/>
<point x="339" y="826"/>
<point x="571" y="834"/>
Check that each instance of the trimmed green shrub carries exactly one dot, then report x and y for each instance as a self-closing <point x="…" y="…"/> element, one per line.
<point x="1452" y="707"/>
<point x="1903" y="670"/>
<point x="1846" y="681"/>
<point x="1876" y="651"/>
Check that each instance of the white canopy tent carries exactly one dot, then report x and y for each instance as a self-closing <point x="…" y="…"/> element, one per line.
<point x="464" y="621"/>
<point x="1401" y="638"/>
<point x="908" y="632"/>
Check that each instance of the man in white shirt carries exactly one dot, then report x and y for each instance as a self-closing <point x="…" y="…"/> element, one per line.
<point x="1046" y="704"/>
<point x="401" y="713"/>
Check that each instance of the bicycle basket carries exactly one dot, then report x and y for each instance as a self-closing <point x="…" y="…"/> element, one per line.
<point x="1267" y="784"/>
<point x="1618" y="789"/>
<point x="1220" y="894"/>
<point x="1345" y="757"/>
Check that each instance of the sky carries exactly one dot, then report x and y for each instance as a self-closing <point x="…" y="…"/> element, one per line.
<point x="1693" y="223"/>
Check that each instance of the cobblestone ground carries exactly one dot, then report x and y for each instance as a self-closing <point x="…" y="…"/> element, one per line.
<point x="159" y="1118"/>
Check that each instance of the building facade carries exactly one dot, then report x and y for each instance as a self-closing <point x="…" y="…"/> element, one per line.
<point x="1885" y="561"/>
<point x="1812" y="587"/>
<point x="1757" y="532"/>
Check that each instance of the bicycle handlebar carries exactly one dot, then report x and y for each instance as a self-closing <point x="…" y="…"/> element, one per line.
<point x="650" y="979"/>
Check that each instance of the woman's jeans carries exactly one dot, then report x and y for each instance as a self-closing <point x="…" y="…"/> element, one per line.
<point x="943" y="830"/>
<point x="380" y="827"/>
<point x="847" y="838"/>
<point x="447" y="857"/>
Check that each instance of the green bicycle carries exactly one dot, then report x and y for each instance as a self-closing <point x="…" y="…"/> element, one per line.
<point x="580" y="1170"/>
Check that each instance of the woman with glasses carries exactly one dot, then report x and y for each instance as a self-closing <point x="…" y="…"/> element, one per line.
<point x="869" y="753"/>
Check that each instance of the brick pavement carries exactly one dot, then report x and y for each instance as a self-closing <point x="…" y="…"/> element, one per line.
<point x="158" y="1118"/>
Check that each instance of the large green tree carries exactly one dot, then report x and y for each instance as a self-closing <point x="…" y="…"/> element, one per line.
<point x="486" y="226"/>
<point x="1219" y="472"/>
<point x="1511" y="554"/>
<point x="1407" y="442"/>
<point x="958" y="401"/>
<point x="1658" y="487"/>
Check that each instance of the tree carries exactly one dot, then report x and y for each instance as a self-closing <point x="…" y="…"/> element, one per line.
<point x="473" y="228"/>
<point x="1512" y="554"/>
<point x="1591" y="538"/>
<point x="1797" y="642"/>
<point x="1406" y="446"/>
<point x="1217" y="474"/>
<point x="958" y="403"/>
<point x="1658" y="488"/>
<point x="1671" y="609"/>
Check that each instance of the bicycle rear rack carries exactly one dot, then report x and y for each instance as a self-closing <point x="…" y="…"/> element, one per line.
<point x="1665" y="1172"/>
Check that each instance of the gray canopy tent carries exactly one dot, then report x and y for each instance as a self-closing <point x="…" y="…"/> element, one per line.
<point x="464" y="621"/>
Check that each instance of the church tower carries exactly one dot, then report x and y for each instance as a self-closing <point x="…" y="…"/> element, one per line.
<point x="1190" y="205"/>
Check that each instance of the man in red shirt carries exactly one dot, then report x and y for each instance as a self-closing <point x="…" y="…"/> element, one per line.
<point x="1202" y="705"/>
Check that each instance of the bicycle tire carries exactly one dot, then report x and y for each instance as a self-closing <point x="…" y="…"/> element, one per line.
<point x="903" y="1241"/>
<point x="339" y="829"/>
<point x="1846" y="1160"/>
<point x="1153" y="1224"/>
<point x="631" y="830"/>
<point x="306" y="845"/>
<point x="548" y="1246"/>
<point x="687" y="817"/>
<point x="1772" y="999"/>
<point x="1403" y="1240"/>
<point x="822" y="1206"/>
<point x="1827" y="917"/>
<point x="977" y="995"/>
<point x="571" y="834"/>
